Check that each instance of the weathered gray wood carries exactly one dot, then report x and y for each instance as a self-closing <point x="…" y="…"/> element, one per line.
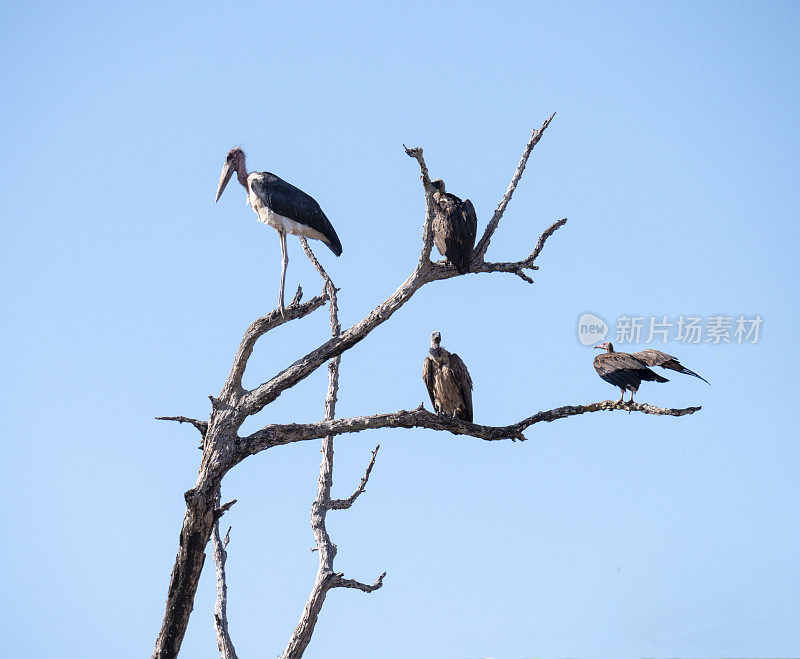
<point x="343" y="504"/>
<point x="278" y="434"/>
<point x="223" y="448"/>
<point x="536" y="135"/>
<point x="224" y="641"/>
<point x="220" y="448"/>
<point x="198" y="522"/>
<point x="326" y="577"/>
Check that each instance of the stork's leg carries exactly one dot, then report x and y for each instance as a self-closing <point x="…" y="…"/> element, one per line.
<point x="284" y="263"/>
<point x="622" y="395"/>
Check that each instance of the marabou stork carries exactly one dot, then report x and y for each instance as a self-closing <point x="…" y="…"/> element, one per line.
<point x="455" y="226"/>
<point x="281" y="205"/>
<point x="448" y="381"/>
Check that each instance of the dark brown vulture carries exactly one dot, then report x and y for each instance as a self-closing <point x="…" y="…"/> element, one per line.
<point x="455" y="226"/>
<point x="653" y="357"/>
<point x="623" y="370"/>
<point x="448" y="381"/>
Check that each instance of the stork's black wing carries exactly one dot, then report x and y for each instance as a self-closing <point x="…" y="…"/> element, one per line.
<point x="287" y="200"/>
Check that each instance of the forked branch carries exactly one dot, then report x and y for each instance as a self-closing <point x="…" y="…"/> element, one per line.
<point x="536" y="135"/>
<point x="295" y="310"/>
<point x="343" y="504"/>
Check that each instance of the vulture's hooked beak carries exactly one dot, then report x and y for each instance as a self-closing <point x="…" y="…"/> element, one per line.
<point x="227" y="172"/>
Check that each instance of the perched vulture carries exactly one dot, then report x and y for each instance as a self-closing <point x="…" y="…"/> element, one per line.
<point x="623" y="370"/>
<point x="448" y="381"/>
<point x="455" y="226"/>
<point x="653" y="357"/>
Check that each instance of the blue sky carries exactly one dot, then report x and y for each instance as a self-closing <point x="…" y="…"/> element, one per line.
<point x="674" y="154"/>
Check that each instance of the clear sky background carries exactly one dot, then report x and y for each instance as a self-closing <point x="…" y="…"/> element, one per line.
<point x="674" y="154"/>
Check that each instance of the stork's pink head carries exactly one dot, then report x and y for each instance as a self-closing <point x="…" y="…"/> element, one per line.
<point x="235" y="156"/>
<point x="234" y="162"/>
<point x="605" y="346"/>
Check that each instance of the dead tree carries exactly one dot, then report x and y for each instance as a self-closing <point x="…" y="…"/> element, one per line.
<point x="223" y="447"/>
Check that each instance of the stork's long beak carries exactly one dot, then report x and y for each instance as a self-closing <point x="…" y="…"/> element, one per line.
<point x="227" y="172"/>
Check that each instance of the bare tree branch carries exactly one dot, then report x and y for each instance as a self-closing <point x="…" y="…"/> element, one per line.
<point x="536" y="135"/>
<point x="549" y="231"/>
<point x="326" y="577"/>
<point x="223" y="448"/>
<point x="198" y="522"/>
<point x="202" y="426"/>
<point x="278" y="434"/>
<point x="327" y="550"/>
<point x="427" y="229"/>
<point x="219" y="512"/>
<point x="518" y="267"/>
<point x="343" y="504"/>
<point x="341" y="582"/>
<point x="295" y="310"/>
<point x="255" y="400"/>
<point x="224" y="642"/>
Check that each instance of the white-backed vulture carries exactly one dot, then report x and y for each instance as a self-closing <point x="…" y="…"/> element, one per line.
<point x="448" y="381"/>
<point x="455" y="226"/>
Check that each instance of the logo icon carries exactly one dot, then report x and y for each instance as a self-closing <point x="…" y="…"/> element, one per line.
<point x="591" y="329"/>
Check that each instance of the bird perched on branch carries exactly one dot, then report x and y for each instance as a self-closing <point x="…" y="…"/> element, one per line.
<point x="281" y="205"/>
<point x="448" y="381"/>
<point x="627" y="371"/>
<point x="455" y="226"/>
